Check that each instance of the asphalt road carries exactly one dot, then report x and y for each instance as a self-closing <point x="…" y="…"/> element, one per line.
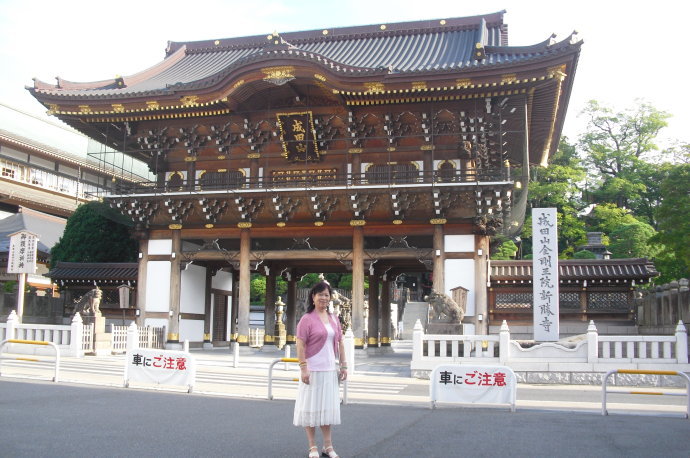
<point x="44" y="419"/>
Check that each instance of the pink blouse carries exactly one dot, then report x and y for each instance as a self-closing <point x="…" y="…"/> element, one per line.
<point x="312" y="332"/>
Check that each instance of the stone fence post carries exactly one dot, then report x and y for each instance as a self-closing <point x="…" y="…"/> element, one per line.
<point x="132" y="337"/>
<point x="592" y="343"/>
<point x="417" y="341"/>
<point x="504" y="343"/>
<point x="12" y="322"/>
<point x="76" y="342"/>
<point x="681" y="343"/>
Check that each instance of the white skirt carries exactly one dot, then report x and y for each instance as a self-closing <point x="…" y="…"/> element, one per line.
<point x="318" y="404"/>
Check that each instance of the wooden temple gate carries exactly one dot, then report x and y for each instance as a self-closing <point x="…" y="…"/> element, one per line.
<point x="376" y="150"/>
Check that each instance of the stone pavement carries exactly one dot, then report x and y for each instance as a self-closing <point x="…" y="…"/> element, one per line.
<point x="378" y="379"/>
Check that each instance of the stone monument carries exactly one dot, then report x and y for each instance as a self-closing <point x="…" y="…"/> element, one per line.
<point x="89" y="307"/>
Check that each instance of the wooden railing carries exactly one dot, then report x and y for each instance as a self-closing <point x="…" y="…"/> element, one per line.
<point x="353" y="180"/>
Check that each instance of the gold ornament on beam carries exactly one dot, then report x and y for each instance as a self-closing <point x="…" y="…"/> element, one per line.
<point x="279" y="75"/>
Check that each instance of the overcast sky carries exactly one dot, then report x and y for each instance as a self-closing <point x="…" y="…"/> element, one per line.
<point x="630" y="51"/>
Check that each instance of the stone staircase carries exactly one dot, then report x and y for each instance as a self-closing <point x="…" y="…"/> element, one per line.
<point x="413" y="311"/>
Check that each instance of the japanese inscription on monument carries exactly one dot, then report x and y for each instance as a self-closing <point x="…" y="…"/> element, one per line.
<point x="545" y="274"/>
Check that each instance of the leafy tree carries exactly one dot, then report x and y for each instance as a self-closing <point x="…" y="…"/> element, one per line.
<point x="607" y="218"/>
<point x="674" y="222"/>
<point x="507" y="250"/>
<point x="92" y="234"/>
<point x="616" y="145"/>
<point x="632" y="241"/>
<point x="257" y="289"/>
<point x="584" y="254"/>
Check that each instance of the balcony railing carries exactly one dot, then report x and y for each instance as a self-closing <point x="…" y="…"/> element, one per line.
<point x="317" y="179"/>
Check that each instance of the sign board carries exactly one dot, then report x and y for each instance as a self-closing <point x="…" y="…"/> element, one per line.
<point x="161" y="367"/>
<point x="545" y="274"/>
<point x="22" y="256"/>
<point x="466" y="384"/>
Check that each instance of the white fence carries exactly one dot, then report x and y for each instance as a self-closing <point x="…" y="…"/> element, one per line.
<point x="256" y="337"/>
<point x="71" y="340"/>
<point x="592" y="353"/>
<point x="149" y="337"/>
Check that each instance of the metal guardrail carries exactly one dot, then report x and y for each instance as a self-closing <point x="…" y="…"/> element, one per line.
<point x="293" y="360"/>
<point x="605" y="391"/>
<point x="33" y="342"/>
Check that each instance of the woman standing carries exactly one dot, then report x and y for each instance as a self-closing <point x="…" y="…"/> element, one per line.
<point x="319" y="347"/>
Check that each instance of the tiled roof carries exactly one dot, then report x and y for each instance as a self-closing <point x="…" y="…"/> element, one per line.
<point x="577" y="269"/>
<point x="48" y="228"/>
<point x="117" y="271"/>
<point x="393" y="49"/>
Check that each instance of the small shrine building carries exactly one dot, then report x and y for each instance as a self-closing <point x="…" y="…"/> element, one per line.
<point x="378" y="150"/>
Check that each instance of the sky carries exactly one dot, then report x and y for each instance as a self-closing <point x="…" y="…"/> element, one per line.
<point x="630" y="51"/>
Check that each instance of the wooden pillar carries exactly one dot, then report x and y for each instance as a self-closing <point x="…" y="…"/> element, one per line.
<point x="191" y="175"/>
<point x="207" y="308"/>
<point x="373" y="325"/>
<point x="480" y="296"/>
<point x="385" y="312"/>
<point x="270" y="309"/>
<point x="291" y="312"/>
<point x="358" y="286"/>
<point x="234" y="307"/>
<point x="175" y="283"/>
<point x="356" y="168"/>
<point x="439" y="255"/>
<point x="141" y="281"/>
<point x="428" y="166"/>
<point x="243" y="299"/>
<point x="254" y="169"/>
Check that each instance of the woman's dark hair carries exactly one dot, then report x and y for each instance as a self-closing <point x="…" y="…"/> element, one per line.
<point x="319" y="287"/>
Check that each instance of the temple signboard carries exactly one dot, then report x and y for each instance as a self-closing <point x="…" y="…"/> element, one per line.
<point x="545" y="274"/>
<point x="22" y="255"/>
<point x="298" y="137"/>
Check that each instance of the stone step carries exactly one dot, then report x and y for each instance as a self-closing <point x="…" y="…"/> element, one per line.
<point x="413" y="311"/>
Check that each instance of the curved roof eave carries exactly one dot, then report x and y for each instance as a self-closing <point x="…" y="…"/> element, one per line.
<point x="285" y="53"/>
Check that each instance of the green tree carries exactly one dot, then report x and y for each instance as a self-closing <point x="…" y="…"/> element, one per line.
<point x="615" y="146"/>
<point x="506" y="250"/>
<point x="93" y="234"/>
<point x="257" y="289"/>
<point x="608" y="217"/>
<point x="673" y="219"/>
<point x="632" y="241"/>
<point x="559" y="186"/>
<point x="584" y="254"/>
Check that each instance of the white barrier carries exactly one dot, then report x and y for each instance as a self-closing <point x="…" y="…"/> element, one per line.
<point x="162" y="367"/>
<point x="34" y="342"/>
<point x="469" y="384"/>
<point x="605" y="390"/>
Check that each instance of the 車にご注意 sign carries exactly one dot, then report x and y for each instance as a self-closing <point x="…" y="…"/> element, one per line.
<point x="162" y="367"/>
<point x="455" y="383"/>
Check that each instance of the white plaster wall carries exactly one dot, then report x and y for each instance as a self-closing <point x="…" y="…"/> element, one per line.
<point x="458" y="243"/>
<point x="222" y="280"/>
<point x="163" y="246"/>
<point x="460" y="272"/>
<point x="192" y="289"/>
<point x="192" y="330"/>
<point x="157" y="322"/>
<point x="158" y="286"/>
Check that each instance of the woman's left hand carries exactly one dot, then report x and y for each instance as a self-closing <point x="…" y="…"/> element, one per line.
<point x="343" y="374"/>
